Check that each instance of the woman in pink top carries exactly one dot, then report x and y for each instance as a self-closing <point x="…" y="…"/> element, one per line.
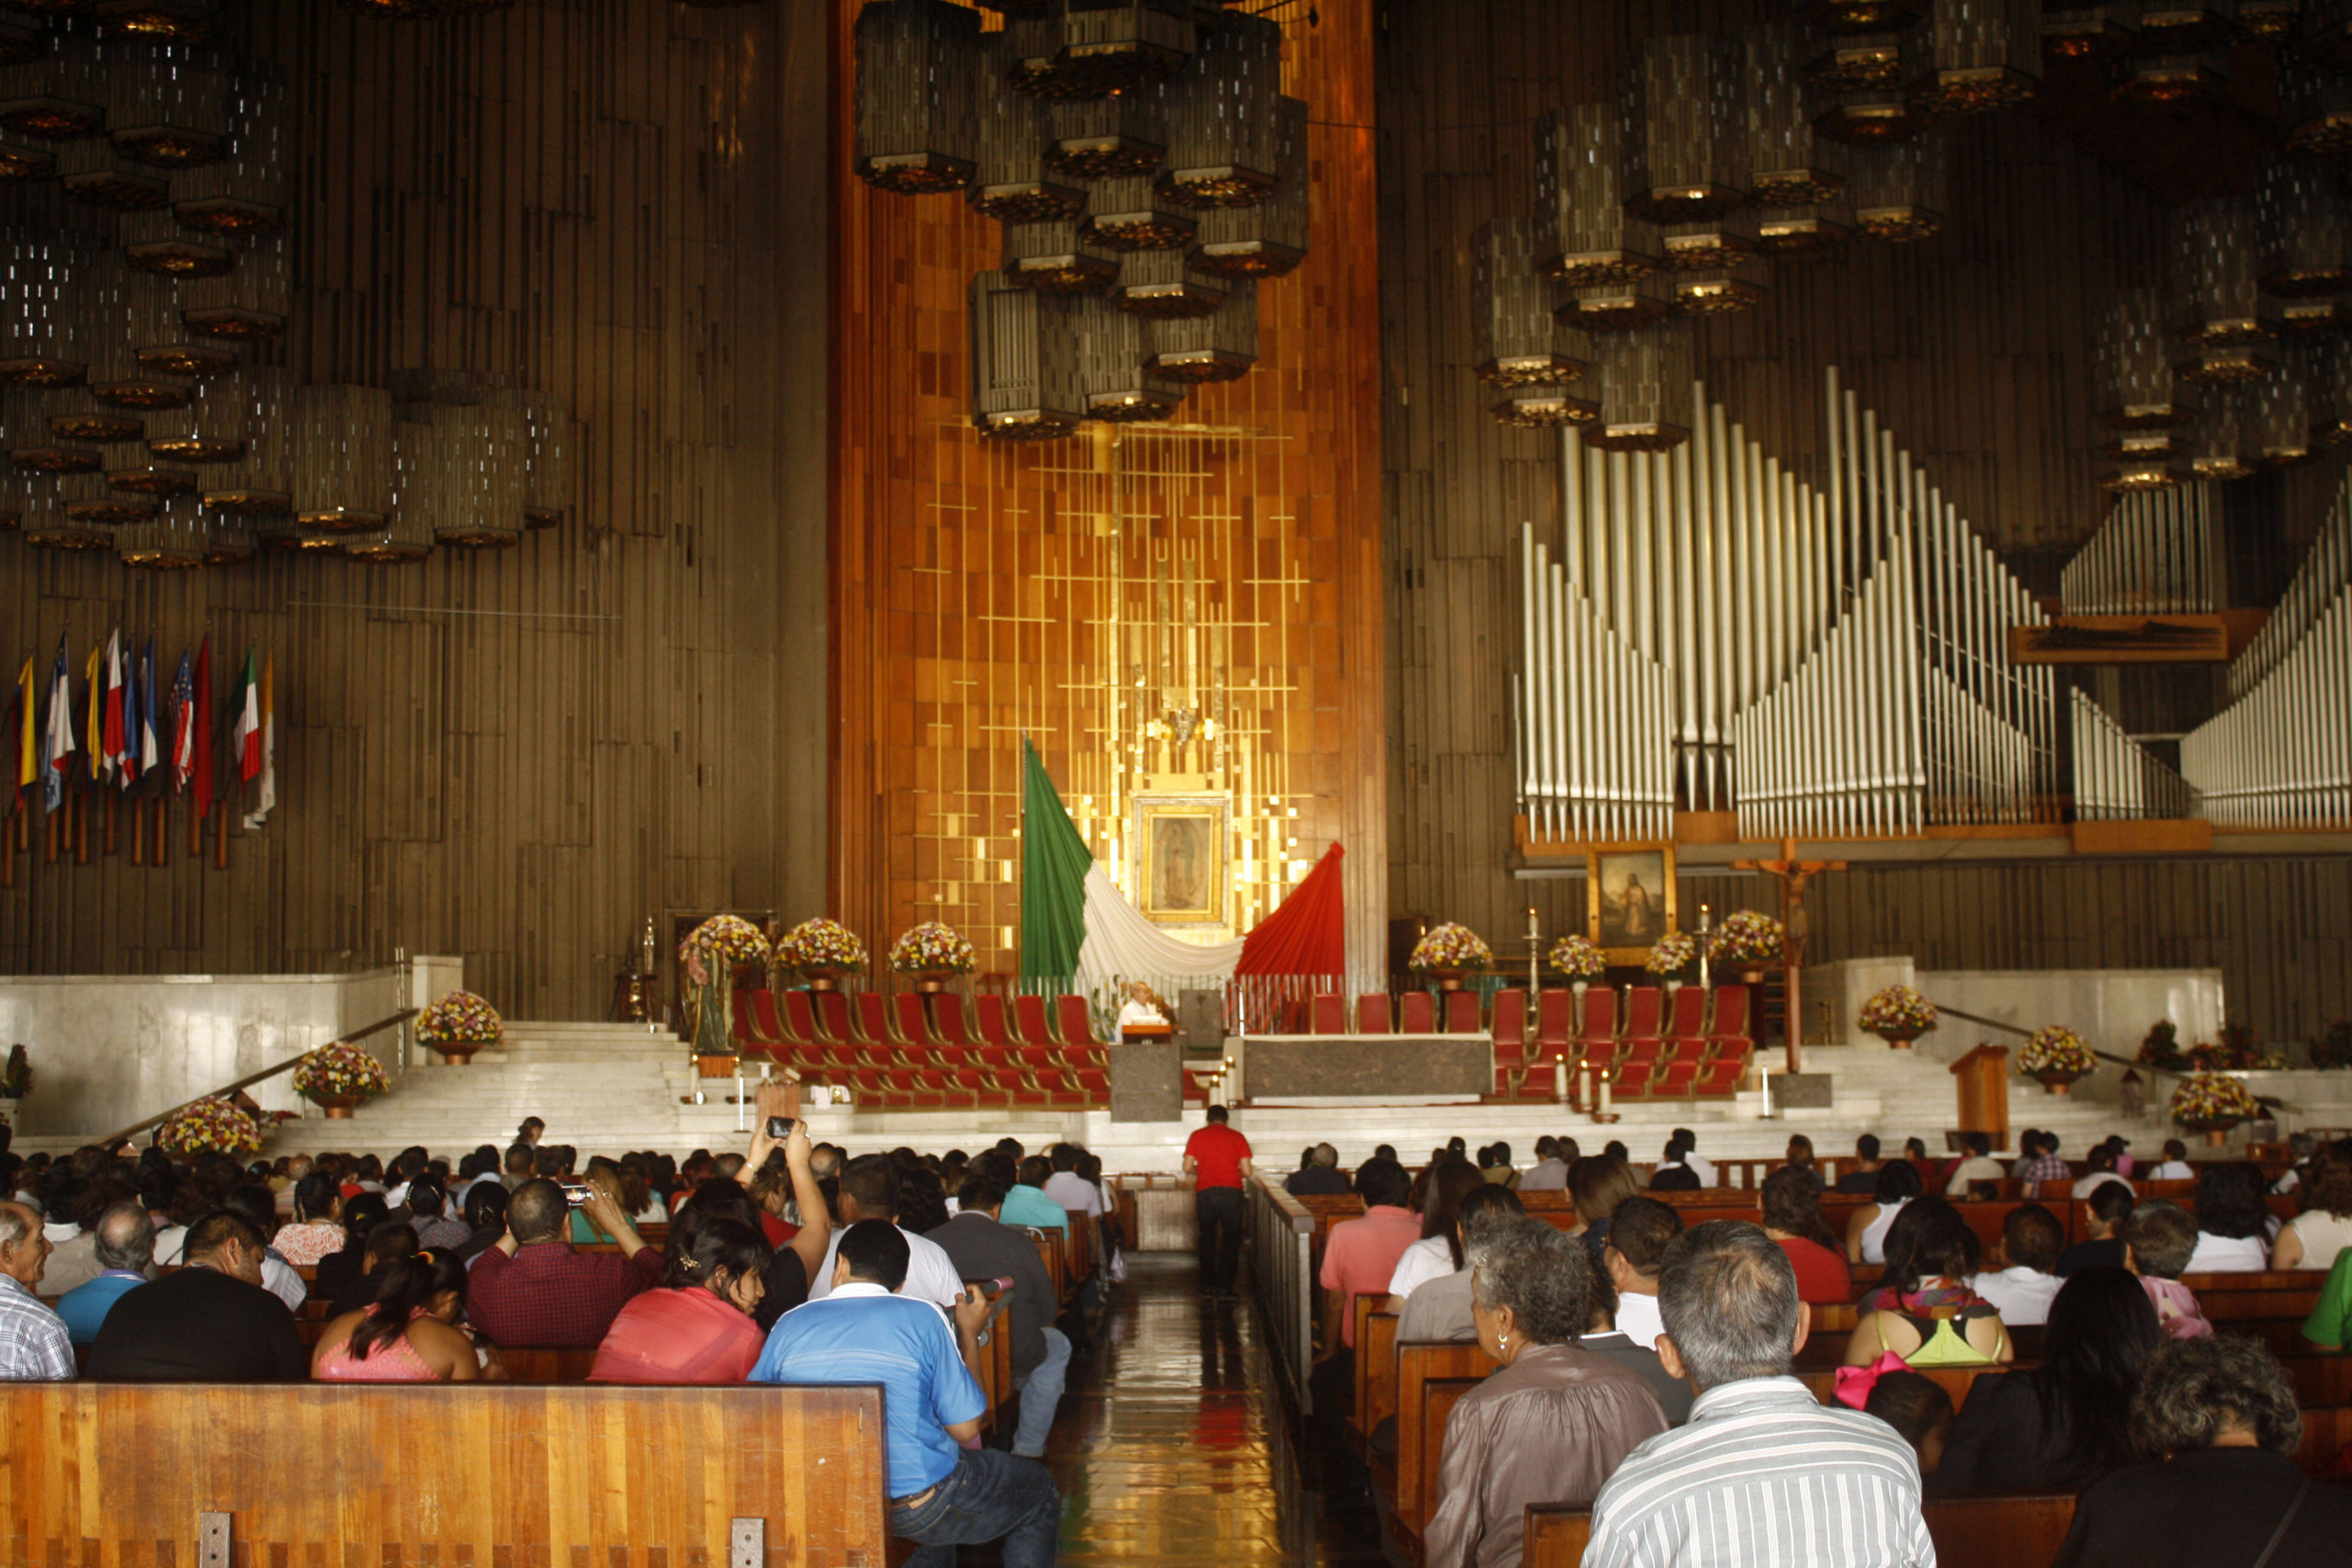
<point x="410" y="1334"/>
<point x="698" y="1328"/>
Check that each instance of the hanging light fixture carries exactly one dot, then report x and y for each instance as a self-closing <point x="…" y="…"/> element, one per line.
<point x="2079" y="32"/>
<point x="423" y="469"/>
<point x="247" y="304"/>
<point x="2273" y="21"/>
<point x="228" y="541"/>
<point x="341" y="452"/>
<point x="2315" y="104"/>
<point x="34" y="444"/>
<point x="1584" y="235"/>
<point x="167" y="108"/>
<point x="43" y="310"/>
<point x="60" y="97"/>
<point x="160" y="340"/>
<point x="1516" y="339"/>
<point x="2216" y="438"/>
<point x="477" y="489"/>
<point x="1056" y="258"/>
<point x="209" y="428"/>
<point x="1789" y="165"/>
<point x="1982" y="55"/>
<point x="260" y="483"/>
<point x="2219" y="320"/>
<point x="2140" y="460"/>
<point x="2179" y="52"/>
<point x="1644" y="383"/>
<point x="124" y="310"/>
<point x="176" y="538"/>
<point x="1162" y="283"/>
<point x="1846" y="16"/>
<point x="1685" y="159"/>
<point x="915" y="96"/>
<point x="1721" y="291"/>
<point x="1270" y="239"/>
<point x="1222" y="135"/>
<point x="77" y="419"/>
<point x="1634" y="306"/>
<point x="1196" y="349"/>
<point x="91" y="173"/>
<point x="91" y="501"/>
<point x="2133" y="364"/>
<point x="154" y="241"/>
<point x="245" y="192"/>
<point x="20" y="163"/>
<point x="1113" y="376"/>
<point x="2305" y="227"/>
<point x="1012" y="181"/>
<point x="1088" y="49"/>
<point x="21" y="40"/>
<point x="1120" y="137"/>
<point x="546" y="465"/>
<point x="179" y="22"/>
<point x="1131" y="214"/>
<point x="1024" y="361"/>
<point x="2324" y="366"/>
<point x="1545" y="408"/>
<point x="2278" y="423"/>
<point x="1898" y="190"/>
<point x="2327" y="36"/>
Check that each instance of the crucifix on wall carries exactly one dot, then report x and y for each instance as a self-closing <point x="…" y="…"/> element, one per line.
<point x="1792" y="874"/>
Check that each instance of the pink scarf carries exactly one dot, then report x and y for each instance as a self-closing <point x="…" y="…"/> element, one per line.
<point x="2177" y="1308"/>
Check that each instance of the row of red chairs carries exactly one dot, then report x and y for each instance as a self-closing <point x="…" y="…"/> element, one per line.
<point x="1557" y="1023"/>
<point x="893" y="1052"/>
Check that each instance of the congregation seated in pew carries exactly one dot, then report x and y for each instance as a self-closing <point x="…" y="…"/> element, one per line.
<point x="2158" y="1241"/>
<point x="1925" y="1311"/>
<point x="1792" y="1209"/>
<point x="409" y="1334"/>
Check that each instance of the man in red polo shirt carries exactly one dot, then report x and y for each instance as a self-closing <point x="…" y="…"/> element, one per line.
<point x="1218" y="1159"/>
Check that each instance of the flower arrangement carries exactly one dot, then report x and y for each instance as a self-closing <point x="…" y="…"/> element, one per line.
<point x="460" y="1018"/>
<point x="819" y="943"/>
<point x="1451" y="946"/>
<point x="934" y="949"/>
<point x="1578" y="958"/>
<point x="211" y="1126"/>
<point x="2213" y="1098"/>
<point x="340" y="1071"/>
<point x="2161" y="1048"/>
<point x="1747" y="940"/>
<point x="2056" y="1049"/>
<point x="1672" y="953"/>
<point x="1898" y="1011"/>
<point x="735" y="942"/>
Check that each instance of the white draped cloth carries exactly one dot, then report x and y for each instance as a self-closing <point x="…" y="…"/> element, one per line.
<point x="1120" y="944"/>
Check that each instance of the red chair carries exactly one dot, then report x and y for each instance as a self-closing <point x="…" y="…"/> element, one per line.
<point x="867" y="1082"/>
<point x="979" y="1083"/>
<point x="1033" y="1058"/>
<point x="765" y="1024"/>
<point x="942" y="1081"/>
<point x="1418" y="1014"/>
<point x="1018" y="1089"/>
<point x="1372" y="1014"/>
<point x="947" y="1022"/>
<point x="991" y="1019"/>
<point x="1644" y="1050"/>
<point x="833" y="1015"/>
<point x="908" y="1027"/>
<point x="999" y="1058"/>
<point x="1721" y="1075"/>
<point x="1029" y="1021"/>
<point x="1675" y="1078"/>
<point x="1555" y="1021"/>
<point x="1330" y="1015"/>
<point x="1688" y="1018"/>
<point x="1076" y="1020"/>
<point x="1631" y="1081"/>
<point x="1461" y="1012"/>
<point x="1060" y="1089"/>
<point x="744" y="1031"/>
<point x="1731" y="1015"/>
<point x="1511" y="1064"/>
<point x="907" y="1084"/>
<point x="1599" y="1015"/>
<point x="1642" y="1013"/>
<point x="1508" y="1019"/>
<point x="1095" y="1082"/>
<point x="800" y="1020"/>
<point x="1691" y="1050"/>
<point x="873" y="1018"/>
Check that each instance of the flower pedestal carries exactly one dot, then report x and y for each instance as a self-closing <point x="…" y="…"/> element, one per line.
<point x="1447" y="979"/>
<point x="1897" y="1041"/>
<point x="456" y="1053"/>
<point x="1754" y="978"/>
<point x="930" y="982"/>
<point x="821" y="976"/>
<point x="2057" y="1083"/>
<point x="710" y="1066"/>
<point x="338" y="1107"/>
<point x="2216" y="1133"/>
<point x="1670" y="985"/>
<point x="1577" y="988"/>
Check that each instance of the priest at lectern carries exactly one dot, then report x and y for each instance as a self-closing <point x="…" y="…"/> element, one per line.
<point x="1145" y="1016"/>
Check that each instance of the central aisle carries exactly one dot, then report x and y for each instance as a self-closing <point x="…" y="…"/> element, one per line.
<point x="1172" y="1448"/>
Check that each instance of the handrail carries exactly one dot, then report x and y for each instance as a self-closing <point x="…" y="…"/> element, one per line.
<point x="251" y="1079"/>
<point x="1281" y="1239"/>
<point x="2103" y="1056"/>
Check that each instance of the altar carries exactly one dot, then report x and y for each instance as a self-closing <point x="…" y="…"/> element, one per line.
<point x="1393" y="1068"/>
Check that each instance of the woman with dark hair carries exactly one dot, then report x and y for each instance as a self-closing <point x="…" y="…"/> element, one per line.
<point x="428" y="1206"/>
<point x="485" y="1213"/>
<point x="1793" y="1217"/>
<point x="2066" y="1423"/>
<point x="2233" y="1224"/>
<point x="408" y="1334"/>
<point x="2215" y="1422"/>
<point x="792" y="1265"/>
<point x="388" y="1244"/>
<point x="340" y="1270"/>
<point x="1898" y="1183"/>
<point x="1553" y="1423"/>
<point x="2314" y="1238"/>
<point x="1596" y="1184"/>
<point x="1926" y="1313"/>
<point x="531" y="1131"/>
<point x="1439" y="1252"/>
<point x="699" y="1327"/>
<point x="317" y="1230"/>
<point x="922" y="1202"/>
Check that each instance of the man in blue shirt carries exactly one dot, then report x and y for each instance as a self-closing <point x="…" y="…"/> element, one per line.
<point x="126" y="1246"/>
<point x="946" y="1490"/>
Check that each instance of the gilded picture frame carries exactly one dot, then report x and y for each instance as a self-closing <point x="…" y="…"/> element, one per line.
<point x="1630" y="899"/>
<point x="1181" y="860"/>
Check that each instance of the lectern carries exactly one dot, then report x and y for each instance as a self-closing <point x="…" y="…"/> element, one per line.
<point x="1984" y="1082"/>
<point x="1133" y="1033"/>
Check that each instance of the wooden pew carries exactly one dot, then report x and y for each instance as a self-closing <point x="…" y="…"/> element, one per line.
<point x="537" y="1364"/>
<point x="1417" y="1366"/>
<point x="1993" y="1530"/>
<point x="488" y="1473"/>
<point x="1365" y="1355"/>
<point x="1439" y="1396"/>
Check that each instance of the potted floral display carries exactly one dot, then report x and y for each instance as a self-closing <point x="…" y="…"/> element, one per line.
<point x="933" y="954"/>
<point x="2212" y="1103"/>
<point x="339" y="1079"/>
<point x="1671" y="957"/>
<point x="1899" y="1015"/>
<point x="458" y="1025"/>
<point x="822" y="950"/>
<point x="211" y="1126"/>
<point x="1580" y="960"/>
<point x="711" y="954"/>
<point x="2055" y="1058"/>
<point x="1448" y="951"/>
<point x="1747" y="944"/>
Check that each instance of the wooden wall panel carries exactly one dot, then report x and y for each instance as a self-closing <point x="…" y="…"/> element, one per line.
<point x="1072" y="590"/>
<point x="518" y="756"/>
<point x="1975" y="347"/>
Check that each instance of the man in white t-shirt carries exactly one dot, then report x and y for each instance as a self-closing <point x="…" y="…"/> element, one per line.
<point x="1702" y="1166"/>
<point x="1980" y="1165"/>
<point x="869" y="1190"/>
<point x="2101" y="1160"/>
<point x="1639" y="1232"/>
<point x="2031" y="1239"/>
<point x="1069" y="1189"/>
<point x="2175" y="1164"/>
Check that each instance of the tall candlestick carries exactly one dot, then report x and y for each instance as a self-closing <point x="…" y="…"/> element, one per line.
<point x="1560" y="1080"/>
<point x="1584" y="1086"/>
<point x="1603" y="1108"/>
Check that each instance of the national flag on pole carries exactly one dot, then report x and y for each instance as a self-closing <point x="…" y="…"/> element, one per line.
<point x="246" y="730"/>
<point x="183" y="727"/>
<point x="118" y="740"/>
<point x="94" y="747"/>
<point x="265" y="793"/>
<point x="151" y="751"/>
<point x="59" y="749"/>
<point x="28" y="728"/>
<point x="201" y="723"/>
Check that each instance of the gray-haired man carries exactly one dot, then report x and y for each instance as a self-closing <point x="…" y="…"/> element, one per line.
<point x="34" y="1347"/>
<point x="1763" y="1475"/>
<point x="126" y="1249"/>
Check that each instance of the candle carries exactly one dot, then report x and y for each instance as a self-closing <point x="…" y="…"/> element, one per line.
<point x="1603" y="1108"/>
<point x="1765" y="1075"/>
<point x="1584" y="1088"/>
<point x="1560" y="1080"/>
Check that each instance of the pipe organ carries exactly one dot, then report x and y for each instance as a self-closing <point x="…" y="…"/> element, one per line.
<point x="2116" y="777"/>
<point x="2281" y="754"/>
<point x="1720" y="635"/>
<point x="2154" y="555"/>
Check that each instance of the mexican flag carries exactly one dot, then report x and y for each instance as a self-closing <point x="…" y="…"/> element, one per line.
<point x="246" y="730"/>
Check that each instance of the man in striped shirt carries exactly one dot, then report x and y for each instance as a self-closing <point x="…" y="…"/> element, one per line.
<point x="1763" y="1475"/>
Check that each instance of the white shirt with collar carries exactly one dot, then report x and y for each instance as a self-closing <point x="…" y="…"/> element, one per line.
<point x="1074" y="1193"/>
<point x="2023" y="1294"/>
<point x="932" y="1276"/>
<point x="1638" y="1319"/>
<point x="1700" y="1167"/>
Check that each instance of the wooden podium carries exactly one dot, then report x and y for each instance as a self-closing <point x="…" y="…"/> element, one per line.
<point x="1135" y="1034"/>
<point x="1983" y="1084"/>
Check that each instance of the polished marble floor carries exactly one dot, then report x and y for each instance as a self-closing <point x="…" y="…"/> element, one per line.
<point x="1173" y="1447"/>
